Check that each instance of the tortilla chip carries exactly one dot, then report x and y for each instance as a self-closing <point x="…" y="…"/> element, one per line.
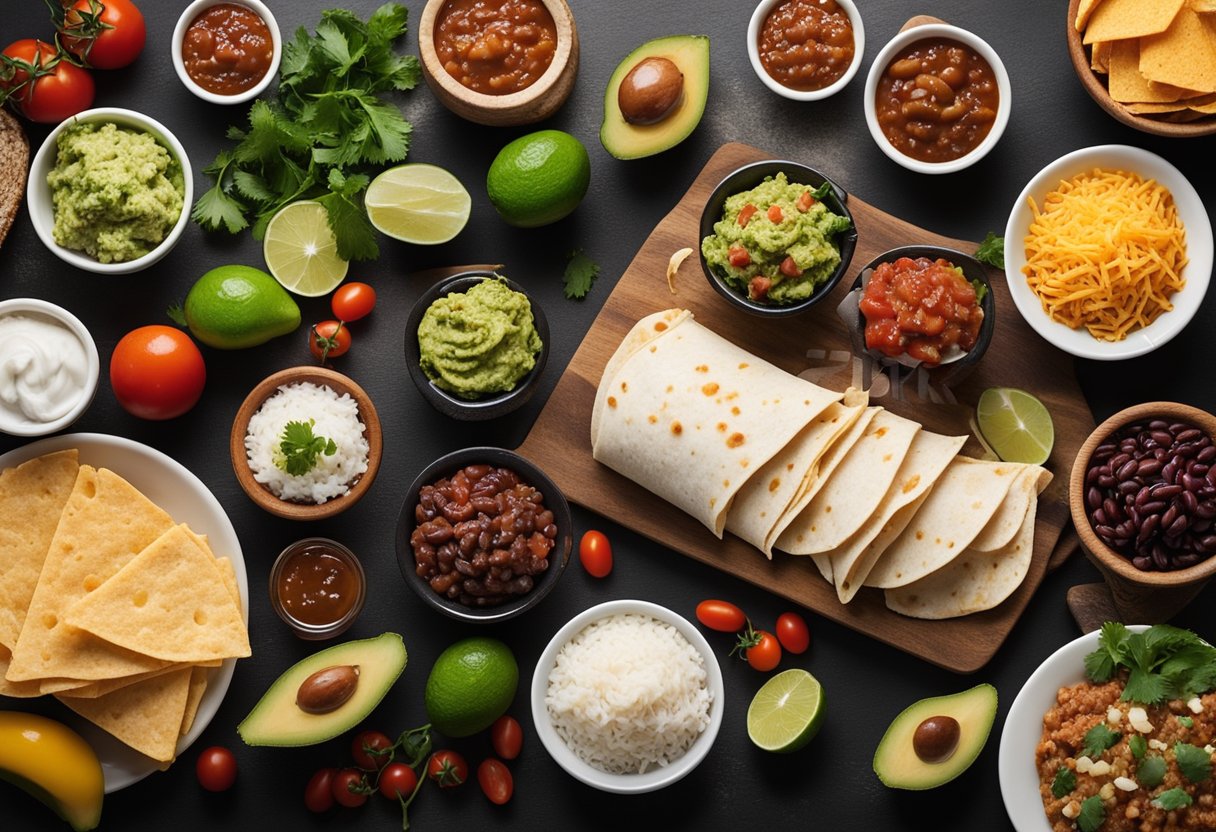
<point x="1120" y="19"/>
<point x="32" y="497"/>
<point x="169" y="603"/>
<point x="1099" y="57"/>
<point x="1184" y="55"/>
<point x="1084" y="9"/>
<point x="92" y="690"/>
<point x="198" y="686"/>
<point x="146" y="716"/>
<point x="1203" y="6"/>
<point x="105" y="523"/>
<point x="1126" y="84"/>
<point x="17" y="690"/>
<point x="1207" y="107"/>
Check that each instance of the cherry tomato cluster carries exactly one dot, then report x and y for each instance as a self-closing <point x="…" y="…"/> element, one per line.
<point x="760" y="648"/>
<point x="49" y="82"/>
<point x="351" y="302"/>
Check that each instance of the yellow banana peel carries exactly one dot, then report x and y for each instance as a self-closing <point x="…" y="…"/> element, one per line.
<point x="54" y="764"/>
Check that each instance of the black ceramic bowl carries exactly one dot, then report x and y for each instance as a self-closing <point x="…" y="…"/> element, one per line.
<point x="973" y="270"/>
<point x="491" y="405"/>
<point x="748" y="177"/>
<point x="555" y="501"/>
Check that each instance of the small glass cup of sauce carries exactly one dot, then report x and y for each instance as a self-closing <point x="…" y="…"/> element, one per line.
<point x="317" y="587"/>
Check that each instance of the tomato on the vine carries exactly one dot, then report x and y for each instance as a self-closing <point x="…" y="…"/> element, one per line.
<point x="216" y="769"/>
<point x="319" y="793"/>
<point x="329" y="339"/>
<point x="397" y="781"/>
<point x="495" y="780"/>
<point x="106" y="34"/>
<point x="765" y="653"/>
<point x="792" y="632"/>
<point x="350" y="787"/>
<point x="722" y="616"/>
<point x="447" y="769"/>
<point x="353" y="301"/>
<point x="371" y="750"/>
<point x="47" y="88"/>
<point x="595" y="554"/>
<point x="506" y="737"/>
<point x="157" y="372"/>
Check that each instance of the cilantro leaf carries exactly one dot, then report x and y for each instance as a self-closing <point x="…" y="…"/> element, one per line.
<point x="216" y="209"/>
<point x="1093" y="813"/>
<point x="580" y="272"/>
<point x="1194" y="763"/>
<point x="992" y="251"/>
<point x="1175" y="798"/>
<point x="1098" y="739"/>
<point x="1064" y="781"/>
<point x="300" y="448"/>
<point x="1151" y="771"/>
<point x="1186" y="722"/>
<point x="1163" y="662"/>
<point x="1138" y="746"/>
<point x="1100" y="665"/>
<point x="353" y="231"/>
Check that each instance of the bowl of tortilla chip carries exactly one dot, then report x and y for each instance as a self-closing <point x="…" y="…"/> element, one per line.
<point x="1150" y="65"/>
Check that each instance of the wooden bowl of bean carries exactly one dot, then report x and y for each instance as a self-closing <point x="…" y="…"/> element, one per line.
<point x="1143" y="498"/>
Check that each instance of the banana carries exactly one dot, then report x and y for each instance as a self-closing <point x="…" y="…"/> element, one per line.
<point x="54" y="764"/>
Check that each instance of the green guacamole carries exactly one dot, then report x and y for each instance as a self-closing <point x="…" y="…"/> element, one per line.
<point x="480" y="341"/>
<point x="805" y="236"/>
<point x="116" y="192"/>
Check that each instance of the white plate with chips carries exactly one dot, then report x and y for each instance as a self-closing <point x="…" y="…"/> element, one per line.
<point x="184" y="496"/>
<point x="1197" y="272"/>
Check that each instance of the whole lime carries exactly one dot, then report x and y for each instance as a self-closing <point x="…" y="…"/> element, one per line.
<point x="539" y="178"/>
<point x="471" y="685"/>
<point x="233" y="307"/>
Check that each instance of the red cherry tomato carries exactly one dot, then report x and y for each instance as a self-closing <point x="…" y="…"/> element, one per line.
<point x="319" y="793"/>
<point x="595" y="554"/>
<point x="51" y="89"/>
<point x="216" y="769"/>
<point x="507" y="737"/>
<point x="157" y="372"/>
<point x="106" y="34"/>
<point x="495" y="780"/>
<point x="792" y="632"/>
<point x="371" y="750"/>
<point x="397" y="781"/>
<point x="722" y="616"/>
<point x="447" y="769"/>
<point x="765" y="654"/>
<point x="353" y="301"/>
<point x="350" y="788"/>
<point x="329" y="339"/>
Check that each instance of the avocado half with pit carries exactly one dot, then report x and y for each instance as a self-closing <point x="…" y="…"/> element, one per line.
<point x="936" y="739"/>
<point x="663" y="100"/>
<point x="279" y="719"/>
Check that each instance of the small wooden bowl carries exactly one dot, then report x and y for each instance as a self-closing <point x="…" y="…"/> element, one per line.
<point x="262" y="495"/>
<point x="1096" y="88"/>
<point x="1140" y="597"/>
<point x="534" y="103"/>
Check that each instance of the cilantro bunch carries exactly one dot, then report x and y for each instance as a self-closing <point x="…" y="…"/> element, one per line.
<point x="1163" y="662"/>
<point x="327" y="127"/>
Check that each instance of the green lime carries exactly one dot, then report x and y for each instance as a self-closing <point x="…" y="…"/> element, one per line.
<point x="539" y="178"/>
<point x="471" y="685"/>
<point x="233" y="307"/>
<point x="417" y="203"/>
<point x="786" y="712"/>
<point x="300" y="249"/>
<point x="1015" y="425"/>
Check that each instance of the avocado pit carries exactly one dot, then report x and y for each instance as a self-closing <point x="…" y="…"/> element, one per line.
<point x="328" y="689"/>
<point x="650" y="91"/>
<point x="936" y="738"/>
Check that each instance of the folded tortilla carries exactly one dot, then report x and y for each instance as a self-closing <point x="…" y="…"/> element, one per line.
<point x="1007" y="520"/>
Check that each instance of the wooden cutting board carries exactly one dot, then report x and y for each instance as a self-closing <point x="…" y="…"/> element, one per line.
<point x="816" y="346"/>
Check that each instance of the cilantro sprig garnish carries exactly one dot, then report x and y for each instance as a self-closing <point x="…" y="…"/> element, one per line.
<point x="300" y="447"/>
<point x="1194" y="763"/>
<point x="992" y="251"/>
<point x="1098" y="739"/>
<point x="1151" y="771"/>
<point x="1064" y="781"/>
<point x="327" y="129"/>
<point x="580" y="272"/>
<point x="1093" y="813"/>
<point x="1163" y="662"/>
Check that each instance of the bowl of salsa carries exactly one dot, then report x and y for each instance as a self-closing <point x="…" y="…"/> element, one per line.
<point x="226" y="51"/>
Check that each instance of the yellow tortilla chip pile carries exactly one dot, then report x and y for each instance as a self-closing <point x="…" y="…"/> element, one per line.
<point x="1159" y="57"/>
<point x="109" y="604"/>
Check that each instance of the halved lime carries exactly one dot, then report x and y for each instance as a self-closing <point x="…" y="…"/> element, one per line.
<point x="300" y="250"/>
<point x="1015" y="425"/>
<point x="786" y="712"/>
<point x="418" y="203"/>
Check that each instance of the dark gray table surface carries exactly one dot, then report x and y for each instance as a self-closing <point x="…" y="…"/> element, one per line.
<point x="830" y="784"/>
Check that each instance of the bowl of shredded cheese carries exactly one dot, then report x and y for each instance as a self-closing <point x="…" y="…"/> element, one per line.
<point x="1108" y="252"/>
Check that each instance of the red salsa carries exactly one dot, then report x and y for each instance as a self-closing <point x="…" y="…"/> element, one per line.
<point x="923" y="308"/>
<point x="806" y="44"/>
<point x="227" y="49"/>
<point x="495" y="47"/>
<point x="317" y="583"/>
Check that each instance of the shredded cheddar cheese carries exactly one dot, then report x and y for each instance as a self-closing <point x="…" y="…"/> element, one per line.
<point x="1106" y="252"/>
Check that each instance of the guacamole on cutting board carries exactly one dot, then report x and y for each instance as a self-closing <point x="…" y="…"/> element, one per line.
<point x="116" y="192"/>
<point x="775" y="242"/>
<point x="480" y="341"/>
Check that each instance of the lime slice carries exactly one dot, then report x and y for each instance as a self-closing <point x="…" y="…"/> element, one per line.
<point x="786" y="712"/>
<point x="1015" y="425"/>
<point x="300" y="250"/>
<point x="417" y="203"/>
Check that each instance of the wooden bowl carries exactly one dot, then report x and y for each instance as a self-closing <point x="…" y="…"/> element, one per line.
<point x="529" y="105"/>
<point x="262" y="495"/>
<point x="1096" y="87"/>
<point x="1139" y="596"/>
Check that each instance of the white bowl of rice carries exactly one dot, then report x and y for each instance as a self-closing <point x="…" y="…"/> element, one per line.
<point x="627" y="697"/>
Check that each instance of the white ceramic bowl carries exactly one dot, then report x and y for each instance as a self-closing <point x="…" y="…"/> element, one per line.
<point x="625" y="783"/>
<point x="1024" y="727"/>
<point x="17" y="425"/>
<point x="1197" y="272"/>
<point x="923" y="32"/>
<point x="179" y="33"/>
<point x="38" y="193"/>
<point x="753" y="53"/>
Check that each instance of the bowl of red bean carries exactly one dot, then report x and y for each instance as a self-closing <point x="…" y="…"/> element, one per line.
<point x="483" y="534"/>
<point x="1143" y="498"/>
<point x="805" y="50"/>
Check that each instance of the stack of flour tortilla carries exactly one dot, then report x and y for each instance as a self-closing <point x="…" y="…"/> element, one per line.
<point x="871" y="497"/>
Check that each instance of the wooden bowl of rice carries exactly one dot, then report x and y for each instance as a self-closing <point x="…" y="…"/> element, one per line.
<point x="255" y="484"/>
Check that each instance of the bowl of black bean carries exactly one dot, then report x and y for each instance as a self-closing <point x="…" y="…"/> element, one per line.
<point x="1143" y="498"/>
<point x="483" y="534"/>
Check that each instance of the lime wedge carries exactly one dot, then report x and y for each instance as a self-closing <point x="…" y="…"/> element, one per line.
<point x="300" y="250"/>
<point x="418" y="203"/>
<point x="1015" y="425"/>
<point x="786" y="712"/>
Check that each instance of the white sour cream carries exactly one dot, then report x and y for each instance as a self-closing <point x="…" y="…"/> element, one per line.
<point x="43" y="368"/>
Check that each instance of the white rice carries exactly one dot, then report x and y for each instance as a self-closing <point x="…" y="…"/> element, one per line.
<point x="628" y="693"/>
<point x="335" y="417"/>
